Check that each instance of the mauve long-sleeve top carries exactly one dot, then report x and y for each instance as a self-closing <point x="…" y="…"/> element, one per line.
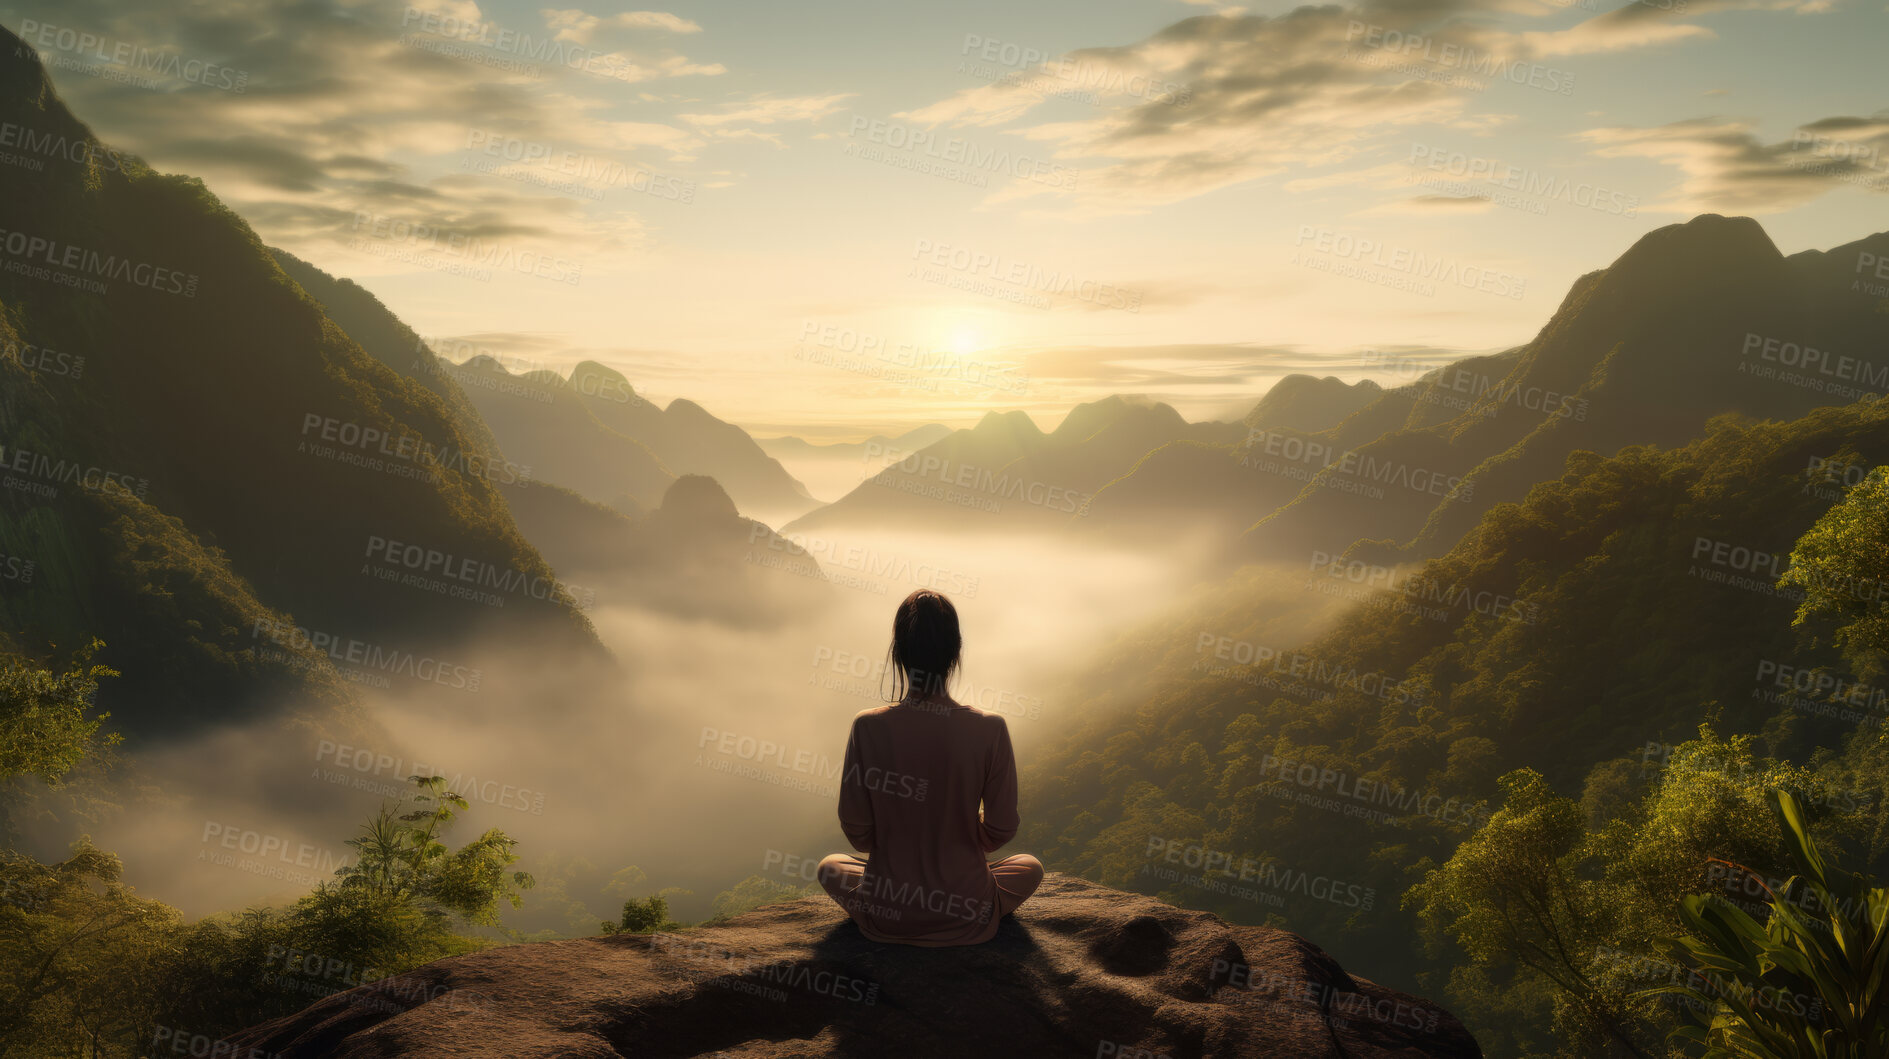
<point x="913" y="778"/>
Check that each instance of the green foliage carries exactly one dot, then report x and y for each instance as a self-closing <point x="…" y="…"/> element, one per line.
<point x="44" y="727"/>
<point x="227" y="972"/>
<point x="183" y="396"/>
<point x="1521" y="897"/>
<point x="1810" y="982"/>
<point x="642" y="917"/>
<point x="88" y="968"/>
<point x="1842" y="567"/>
<point x="753" y="892"/>
<point x="404" y="858"/>
<point x="1548" y="901"/>
<point x="81" y="956"/>
<point x="1613" y="635"/>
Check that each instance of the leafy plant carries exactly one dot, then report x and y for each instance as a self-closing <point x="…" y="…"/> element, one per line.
<point x="641" y="917"/>
<point x="44" y="727"/>
<point x="1841" y="566"/>
<point x="403" y="857"/>
<point x="1807" y="982"/>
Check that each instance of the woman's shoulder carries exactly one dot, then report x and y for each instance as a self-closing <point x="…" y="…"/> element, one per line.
<point x="933" y="709"/>
<point x="989" y="720"/>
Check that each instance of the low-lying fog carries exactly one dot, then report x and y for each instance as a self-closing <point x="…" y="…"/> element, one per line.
<point x="711" y="755"/>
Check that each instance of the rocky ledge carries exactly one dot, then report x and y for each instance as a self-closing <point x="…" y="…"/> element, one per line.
<point x="1081" y="970"/>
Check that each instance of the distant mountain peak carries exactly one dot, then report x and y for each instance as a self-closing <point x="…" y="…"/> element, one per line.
<point x="697" y="496"/>
<point x="1708" y="241"/>
<point x="592" y="371"/>
<point x="1308" y="402"/>
<point x="1091" y="416"/>
<point x="1015" y="420"/>
<point x="1300" y="381"/>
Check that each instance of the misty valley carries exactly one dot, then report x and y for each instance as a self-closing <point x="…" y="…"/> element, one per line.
<point x="433" y="622"/>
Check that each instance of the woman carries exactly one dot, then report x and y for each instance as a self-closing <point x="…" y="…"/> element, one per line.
<point x="915" y="773"/>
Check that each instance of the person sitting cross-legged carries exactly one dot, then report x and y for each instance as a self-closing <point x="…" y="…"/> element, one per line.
<point x="914" y="776"/>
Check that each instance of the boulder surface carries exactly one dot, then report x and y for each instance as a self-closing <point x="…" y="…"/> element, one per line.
<point x="1080" y="970"/>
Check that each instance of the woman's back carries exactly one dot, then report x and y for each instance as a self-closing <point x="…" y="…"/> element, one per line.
<point x="914" y="777"/>
<point x="911" y="790"/>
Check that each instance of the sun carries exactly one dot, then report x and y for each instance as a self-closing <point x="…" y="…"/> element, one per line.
<point x="965" y="340"/>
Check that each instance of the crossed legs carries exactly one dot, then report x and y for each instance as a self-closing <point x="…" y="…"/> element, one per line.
<point x="1017" y="878"/>
<point x="840" y="875"/>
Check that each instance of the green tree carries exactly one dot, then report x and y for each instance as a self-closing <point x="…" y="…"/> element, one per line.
<point x="1842" y="564"/>
<point x="1521" y="899"/>
<point x="44" y="725"/>
<point x="1550" y="900"/>
<point x="89" y="968"/>
<point x="641" y="917"/>
<point x="403" y="857"/>
<point x="79" y="954"/>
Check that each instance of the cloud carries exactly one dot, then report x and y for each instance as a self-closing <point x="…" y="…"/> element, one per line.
<point x="1260" y="97"/>
<point x="577" y="25"/>
<point x="735" y="120"/>
<point x="1140" y="368"/>
<point x="1214" y="101"/>
<point x="343" y="108"/>
<point x="1649" y="22"/>
<point x="1604" y="34"/>
<point x="770" y="110"/>
<point x="618" y="39"/>
<point x="1430" y="205"/>
<point x="1727" y="168"/>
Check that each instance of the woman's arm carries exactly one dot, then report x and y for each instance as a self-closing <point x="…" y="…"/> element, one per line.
<point x="855" y="799"/>
<point x="999" y="823"/>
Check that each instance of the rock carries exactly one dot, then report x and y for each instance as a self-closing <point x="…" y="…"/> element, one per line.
<point x="1082" y="970"/>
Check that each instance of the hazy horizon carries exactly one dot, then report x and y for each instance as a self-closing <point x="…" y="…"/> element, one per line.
<point x="1122" y="208"/>
<point x="420" y="416"/>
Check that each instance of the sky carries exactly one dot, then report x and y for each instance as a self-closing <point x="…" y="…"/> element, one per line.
<point x="832" y="218"/>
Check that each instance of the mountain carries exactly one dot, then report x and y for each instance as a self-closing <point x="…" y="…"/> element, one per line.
<point x="544" y="421"/>
<point x="1232" y="480"/>
<point x="589" y="544"/>
<point x="1006" y="473"/>
<point x="1617" y="607"/>
<point x="1309" y="404"/>
<point x="688" y="440"/>
<point x="1080" y="970"/>
<point x="387" y="338"/>
<point x="199" y="457"/>
<point x="1197" y="485"/>
<point x="1693" y="320"/>
<point x="693" y="556"/>
<point x="833" y="470"/>
<point x="683" y="438"/>
<point x="877" y="446"/>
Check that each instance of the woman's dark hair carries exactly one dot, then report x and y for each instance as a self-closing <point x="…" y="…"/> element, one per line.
<point x="925" y="644"/>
